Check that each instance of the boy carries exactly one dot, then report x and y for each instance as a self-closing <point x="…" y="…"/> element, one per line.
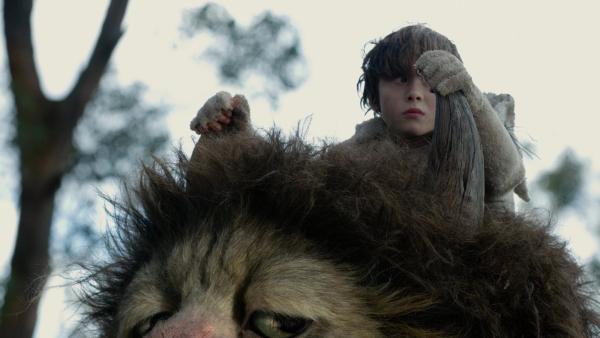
<point x="401" y="75"/>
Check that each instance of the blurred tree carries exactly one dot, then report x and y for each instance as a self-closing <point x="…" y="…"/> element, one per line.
<point x="44" y="138"/>
<point x="118" y="125"/>
<point x="564" y="183"/>
<point x="60" y="146"/>
<point x="268" y="49"/>
<point x="118" y="130"/>
<point x="594" y="269"/>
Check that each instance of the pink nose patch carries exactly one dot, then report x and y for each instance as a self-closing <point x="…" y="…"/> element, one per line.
<point x="182" y="328"/>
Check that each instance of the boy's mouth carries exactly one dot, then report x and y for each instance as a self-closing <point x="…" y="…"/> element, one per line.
<point x="413" y="112"/>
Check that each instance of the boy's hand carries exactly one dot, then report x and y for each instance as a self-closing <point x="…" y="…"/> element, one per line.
<point x="443" y="72"/>
<point x="221" y="112"/>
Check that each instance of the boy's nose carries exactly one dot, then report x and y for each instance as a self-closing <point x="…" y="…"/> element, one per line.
<point x="413" y="96"/>
<point x="415" y="89"/>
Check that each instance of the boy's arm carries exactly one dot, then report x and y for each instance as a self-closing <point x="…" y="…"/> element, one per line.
<point x="504" y="169"/>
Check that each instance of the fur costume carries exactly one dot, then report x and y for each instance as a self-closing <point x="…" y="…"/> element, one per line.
<point x="270" y="237"/>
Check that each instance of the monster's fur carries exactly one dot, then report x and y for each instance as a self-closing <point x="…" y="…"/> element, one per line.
<point x="400" y="264"/>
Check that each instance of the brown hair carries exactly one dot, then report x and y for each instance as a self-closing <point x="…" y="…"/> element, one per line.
<point x="394" y="56"/>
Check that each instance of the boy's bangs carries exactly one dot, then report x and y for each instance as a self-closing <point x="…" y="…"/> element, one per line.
<point x="400" y="52"/>
<point x="397" y="60"/>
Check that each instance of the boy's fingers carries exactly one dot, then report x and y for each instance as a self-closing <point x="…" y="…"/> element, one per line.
<point x="214" y="126"/>
<point x="418" y="70"/>
<point x="223" y="119"/>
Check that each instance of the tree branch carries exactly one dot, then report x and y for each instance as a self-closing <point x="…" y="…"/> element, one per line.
<point x="19" y="47"/>
<point x="89" y="78"/>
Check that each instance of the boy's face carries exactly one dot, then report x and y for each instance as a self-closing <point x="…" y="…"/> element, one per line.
<point x="407" y="105"/>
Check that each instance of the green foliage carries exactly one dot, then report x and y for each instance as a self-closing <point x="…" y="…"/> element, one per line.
<point x="269" y="48"/>
<point x="117" y="131"/>
<point x="564" y="183"/>
<point x="594" y="270"/>
<point x="76" y="234"/>
<point x="3" y="281"/>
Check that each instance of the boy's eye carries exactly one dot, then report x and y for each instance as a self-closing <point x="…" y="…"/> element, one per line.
<point x="400" y="79"/>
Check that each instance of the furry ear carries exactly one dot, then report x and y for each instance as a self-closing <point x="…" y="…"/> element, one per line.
<point x="504" y="105"/>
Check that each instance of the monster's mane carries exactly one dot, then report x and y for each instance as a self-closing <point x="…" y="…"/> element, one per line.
<point x="357" y="208"/>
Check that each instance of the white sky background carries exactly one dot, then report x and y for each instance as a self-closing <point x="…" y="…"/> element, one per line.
<point x="545" y="53"/>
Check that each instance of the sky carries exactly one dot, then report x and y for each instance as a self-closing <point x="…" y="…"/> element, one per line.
<point x="544" y="53"/>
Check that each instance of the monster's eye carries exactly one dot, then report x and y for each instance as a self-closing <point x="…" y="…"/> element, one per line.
<point x="273" y="325"/>
<point x="145" y="326"/>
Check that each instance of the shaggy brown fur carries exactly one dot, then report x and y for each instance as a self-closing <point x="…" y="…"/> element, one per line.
<point x="416" y="272"/>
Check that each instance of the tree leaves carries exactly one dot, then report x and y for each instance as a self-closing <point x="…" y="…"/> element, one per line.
<point x="118" y="130"/>
<point x="269" y="48"/>
<point x="564" y="183"/>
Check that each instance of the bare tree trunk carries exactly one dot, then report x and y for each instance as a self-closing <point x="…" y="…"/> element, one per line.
<point x="29" y="263"/>
<point x="44" y="138"/>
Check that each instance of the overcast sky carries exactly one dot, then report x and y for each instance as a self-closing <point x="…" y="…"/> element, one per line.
<point x="544" y="53"/>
